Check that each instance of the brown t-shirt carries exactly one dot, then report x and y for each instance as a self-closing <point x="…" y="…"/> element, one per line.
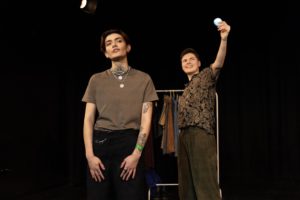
<point x="197" y="104"/>
<point x="119" y="108"/>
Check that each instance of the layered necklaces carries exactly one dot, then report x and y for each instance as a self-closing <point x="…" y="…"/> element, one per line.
<point x="120" y="75"/>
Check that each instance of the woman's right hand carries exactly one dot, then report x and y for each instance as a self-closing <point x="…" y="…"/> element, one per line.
<point x="96" y="168"/>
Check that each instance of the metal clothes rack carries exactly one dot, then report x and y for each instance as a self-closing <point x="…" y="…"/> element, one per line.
<point x="176" y="90"/>
<point x="217" y="138"/>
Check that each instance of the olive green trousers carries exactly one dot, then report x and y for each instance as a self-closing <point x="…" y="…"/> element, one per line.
<point x="197" y="165"/>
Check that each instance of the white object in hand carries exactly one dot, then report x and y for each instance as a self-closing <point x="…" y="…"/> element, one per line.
<point x="217" y="21"/>
<point x="83" y="3"/>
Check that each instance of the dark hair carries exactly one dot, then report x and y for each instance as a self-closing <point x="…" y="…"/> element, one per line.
<point x="111" y="31"/>
<point x="189" y="50"/>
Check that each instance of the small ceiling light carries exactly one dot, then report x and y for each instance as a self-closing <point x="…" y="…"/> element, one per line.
<point x="89" y="6"/>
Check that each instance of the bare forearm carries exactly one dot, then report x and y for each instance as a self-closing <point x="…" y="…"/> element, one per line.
<point x="145" y="127"/>
<point x="224" y="29"/>
<point x="88" y="125"/>
<point x="220" y="58"/>
<point x="88" y="137"/>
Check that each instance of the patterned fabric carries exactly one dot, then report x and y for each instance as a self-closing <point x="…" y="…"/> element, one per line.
<point x="197" y="103"/>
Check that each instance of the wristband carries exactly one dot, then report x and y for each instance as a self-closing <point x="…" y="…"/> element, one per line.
<point x="139" y="147"/>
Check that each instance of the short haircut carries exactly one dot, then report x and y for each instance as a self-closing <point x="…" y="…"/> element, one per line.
<point x="111" y="31"/>
<point x="189" y="50"/>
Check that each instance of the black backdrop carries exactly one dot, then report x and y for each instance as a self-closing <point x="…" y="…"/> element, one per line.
<point x="49" y="50"/>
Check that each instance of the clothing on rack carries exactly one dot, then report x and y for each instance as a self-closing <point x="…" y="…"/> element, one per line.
<point x="165" y="163"/>
<point x="168" y="121"/>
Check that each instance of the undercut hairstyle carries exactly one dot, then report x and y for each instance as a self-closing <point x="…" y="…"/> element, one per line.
<point x="111" y="31"/>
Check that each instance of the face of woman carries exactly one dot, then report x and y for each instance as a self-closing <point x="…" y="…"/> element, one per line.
<point x="116" y="47"/>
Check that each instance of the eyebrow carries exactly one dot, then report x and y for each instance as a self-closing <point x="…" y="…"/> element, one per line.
<point x="117" y="38"/>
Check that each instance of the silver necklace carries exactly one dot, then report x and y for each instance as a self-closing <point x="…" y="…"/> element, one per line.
<point x="121" y="76"/>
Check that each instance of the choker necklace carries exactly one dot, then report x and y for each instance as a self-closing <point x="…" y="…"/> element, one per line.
<point x="120" y="75"/>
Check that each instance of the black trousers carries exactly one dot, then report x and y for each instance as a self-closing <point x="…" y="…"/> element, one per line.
<point x="112" y="147"/>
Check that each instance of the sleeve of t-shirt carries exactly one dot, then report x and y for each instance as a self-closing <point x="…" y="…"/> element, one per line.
<point x="150" y="92"/>
<point x="89" y="95"/>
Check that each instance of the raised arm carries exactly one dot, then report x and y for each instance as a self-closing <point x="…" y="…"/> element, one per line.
<point x="224" y="29"/>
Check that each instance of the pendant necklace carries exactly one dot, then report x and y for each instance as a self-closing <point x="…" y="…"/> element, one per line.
<point x="119" y="76"/>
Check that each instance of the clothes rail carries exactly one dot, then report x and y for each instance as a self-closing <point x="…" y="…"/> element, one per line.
<point x="175" y="90"/>
<point x="161" y="184"/>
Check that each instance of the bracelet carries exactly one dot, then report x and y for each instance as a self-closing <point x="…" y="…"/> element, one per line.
<point x="139" y="147"/>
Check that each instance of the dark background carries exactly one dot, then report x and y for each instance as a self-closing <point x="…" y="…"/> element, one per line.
<point x="49" y="49"/>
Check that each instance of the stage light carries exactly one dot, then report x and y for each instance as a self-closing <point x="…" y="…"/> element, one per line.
<point x="88" y="6"/>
